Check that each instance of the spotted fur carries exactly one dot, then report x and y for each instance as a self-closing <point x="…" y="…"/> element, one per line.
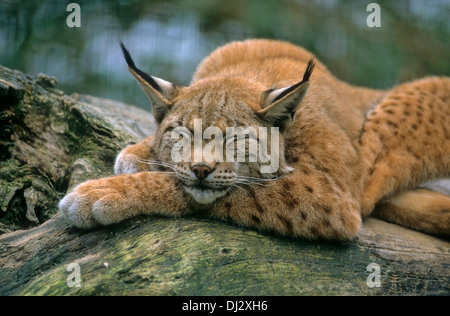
<point x="343" y="149"/>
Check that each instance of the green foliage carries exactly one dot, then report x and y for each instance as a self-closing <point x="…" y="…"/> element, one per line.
<point x="169" y="38"/>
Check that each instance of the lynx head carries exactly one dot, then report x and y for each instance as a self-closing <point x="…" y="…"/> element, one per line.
<point x="220" y="133"/>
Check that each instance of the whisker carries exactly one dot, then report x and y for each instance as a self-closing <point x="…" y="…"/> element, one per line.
<point x="249" y="183"/>
<point x="157" y="163"/>
<point x="253" y="178"/>
<point x="160" y="164"/>
<point x="259" y="179"/>
<point x="153" y="161"/>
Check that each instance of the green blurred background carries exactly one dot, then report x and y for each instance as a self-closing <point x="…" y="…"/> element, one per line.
<point x="169" y="38"/>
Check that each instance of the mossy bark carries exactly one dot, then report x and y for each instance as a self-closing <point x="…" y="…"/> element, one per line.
<point x="50" y="142"/>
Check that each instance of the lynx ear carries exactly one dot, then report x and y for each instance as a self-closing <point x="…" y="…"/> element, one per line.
<point x="279" y="105"/>
<point x="158" y="91"/>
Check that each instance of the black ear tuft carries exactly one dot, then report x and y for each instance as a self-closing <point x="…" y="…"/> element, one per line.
<point x="279" y="106"/>
<point x="306" y="76"/>
<point x="132" y="65"/>
<point x="309" y="70"/>
<point x="127" y="56"/>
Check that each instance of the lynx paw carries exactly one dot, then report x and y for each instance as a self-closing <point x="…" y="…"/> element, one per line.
<point x="127" y="163"/>
<point x="77" y="210"/>
<point x="92" y="203"/>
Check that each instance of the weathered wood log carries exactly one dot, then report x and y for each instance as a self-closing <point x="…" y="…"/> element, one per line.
<point x="51" y="142"/>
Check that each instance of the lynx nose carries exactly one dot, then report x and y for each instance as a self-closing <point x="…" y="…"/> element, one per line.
<point x="201" y="171"/>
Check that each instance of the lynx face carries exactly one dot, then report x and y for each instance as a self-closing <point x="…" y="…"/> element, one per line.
<point x="201" y="117"/>
<point x="220" y="162"/>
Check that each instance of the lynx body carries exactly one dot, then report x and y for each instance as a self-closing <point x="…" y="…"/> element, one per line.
<point x="343" y="150"/>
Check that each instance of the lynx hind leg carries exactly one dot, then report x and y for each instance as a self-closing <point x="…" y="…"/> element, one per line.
<point x="419" y="209"/>
<point x="134" y="158"/>
<point x="406" y="140"/>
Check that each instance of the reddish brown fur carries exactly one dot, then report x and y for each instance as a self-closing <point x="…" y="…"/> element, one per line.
<point x="345" y="161"/>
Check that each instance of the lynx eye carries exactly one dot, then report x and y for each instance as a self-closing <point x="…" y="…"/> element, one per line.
<point x="169" y="130"/>
<point x="180" y="131"/>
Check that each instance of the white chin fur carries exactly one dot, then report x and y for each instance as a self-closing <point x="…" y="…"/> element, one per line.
<point x="204" y="196"/>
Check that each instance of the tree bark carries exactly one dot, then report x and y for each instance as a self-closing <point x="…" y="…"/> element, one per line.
<point x="51" y="142"/>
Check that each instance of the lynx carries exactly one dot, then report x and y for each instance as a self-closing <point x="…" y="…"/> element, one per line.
<point x="343" y="151"/>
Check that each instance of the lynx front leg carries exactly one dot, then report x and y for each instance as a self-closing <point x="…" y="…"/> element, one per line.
<point x="111" y="200"/>
<point x="406" y="140"/>
<point x="135" y="158"/>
